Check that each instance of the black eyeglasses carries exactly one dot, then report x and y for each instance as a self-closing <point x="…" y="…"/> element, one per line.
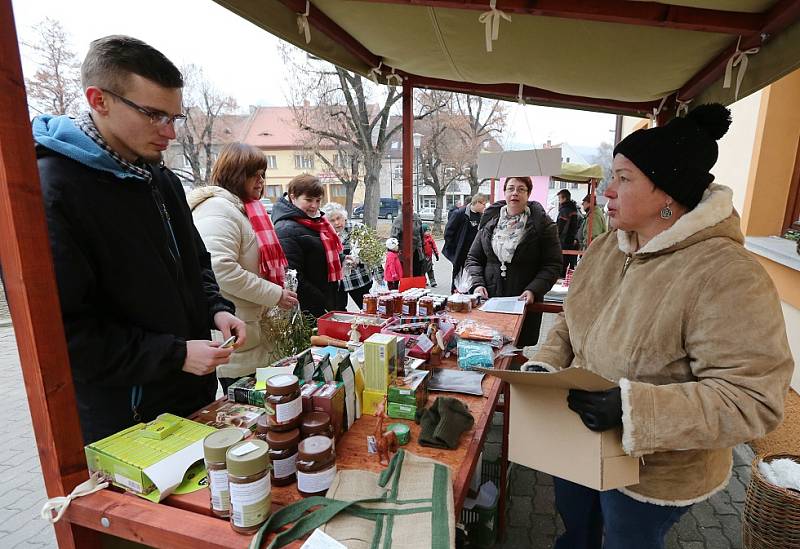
<point x="157" y="118"/>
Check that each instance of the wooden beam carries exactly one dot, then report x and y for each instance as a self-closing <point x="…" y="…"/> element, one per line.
<point x="31" y="289"/>
<point x="783" y="14"/>
<point x="536" y="95"/>
<point x="324" y="24"/>
<point x="136" y="519"/>
<point x="651" y="14"/>
<point x="408" y="176"/>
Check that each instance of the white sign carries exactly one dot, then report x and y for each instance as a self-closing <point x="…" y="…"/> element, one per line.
<point x="531" y="163"/>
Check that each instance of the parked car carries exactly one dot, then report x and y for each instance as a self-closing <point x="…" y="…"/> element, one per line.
<point x="388" y="209"/>
<point x="426" y="214"/>
<point x="267" y="205"/>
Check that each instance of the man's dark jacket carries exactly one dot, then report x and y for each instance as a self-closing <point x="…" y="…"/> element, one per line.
<point x="460" y="231"/>
<point x="568" y="224"/>
<point x="128" y="307"/>
<point x="536" y="264"/>
<point x="305" y="253"/>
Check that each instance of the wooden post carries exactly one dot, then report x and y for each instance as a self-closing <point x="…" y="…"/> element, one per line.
<point x="592" y="203"/>
<point x="32" y="297"/>
<point x="408" y="175"/>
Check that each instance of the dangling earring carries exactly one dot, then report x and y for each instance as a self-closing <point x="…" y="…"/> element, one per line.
<point x="666" y="212"/>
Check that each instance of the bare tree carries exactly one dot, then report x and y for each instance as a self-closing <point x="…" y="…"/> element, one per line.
<point x="479" y="122"/>
<point x="603" y="158"/>
<point x="55" y="87"/>
<point x="203" y="105"/>
<point x="345" y="112"/>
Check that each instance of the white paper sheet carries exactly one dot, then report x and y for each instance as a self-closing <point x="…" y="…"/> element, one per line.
<point x="168" y="473"/>
<point x="509" y="305"/>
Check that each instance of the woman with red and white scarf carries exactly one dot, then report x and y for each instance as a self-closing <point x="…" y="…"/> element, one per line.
<point x="311" y="244"/>
<point x="246" y="256"/>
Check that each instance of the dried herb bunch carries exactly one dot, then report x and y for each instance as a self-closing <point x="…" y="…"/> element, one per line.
<point x="368" y="247"/>
<point x="288" y="333"/>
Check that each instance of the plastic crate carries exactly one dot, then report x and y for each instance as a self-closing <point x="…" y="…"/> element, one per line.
<point x="482" y="523"/>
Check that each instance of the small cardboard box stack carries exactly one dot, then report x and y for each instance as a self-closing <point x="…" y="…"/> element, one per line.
<point x="407" y="395"/>
<point x="544" y="434"/>
<point x="380" y="369"/>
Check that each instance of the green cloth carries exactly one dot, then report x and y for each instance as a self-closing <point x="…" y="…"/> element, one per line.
<point x="443" y="423"/>
<point x="598" y="226"/>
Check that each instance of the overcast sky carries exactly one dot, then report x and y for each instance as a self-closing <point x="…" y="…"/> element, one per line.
<point x="242" y="59"/>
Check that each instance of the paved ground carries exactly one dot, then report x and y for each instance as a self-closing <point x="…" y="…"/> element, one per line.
<point x="531" y="519"/>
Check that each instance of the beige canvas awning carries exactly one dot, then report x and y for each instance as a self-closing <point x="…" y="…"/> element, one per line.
<point x="579" y="173"/>
<point x="609" y="55"/>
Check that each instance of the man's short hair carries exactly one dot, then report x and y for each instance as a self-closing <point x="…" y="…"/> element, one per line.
<point x="565" y="193"/>
<point x="305" y="184"/>
<point x="112" y="59"/>
<point x="587" y="198"/>
<point x="479" y="199"/>
<point x="237" y="162"/>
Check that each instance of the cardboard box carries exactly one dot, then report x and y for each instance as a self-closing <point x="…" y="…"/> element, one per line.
<point x="412" y="389"/>
<point x="330" y="399"/>
<point x="544" y="434"/>
<point x="337" y="324"/>
<point x="380" y="362"/>
<point x="370" y="401"/>
<point x="150" y="459"/>
<point x="244" y="391"/>
<point x="307" y="391"/>
<point x="402" y="411"/>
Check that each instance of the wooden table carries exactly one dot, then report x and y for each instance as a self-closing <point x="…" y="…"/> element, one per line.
<point x="186" y="520"/>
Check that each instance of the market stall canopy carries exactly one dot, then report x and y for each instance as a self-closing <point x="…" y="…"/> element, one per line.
<point x="579" y="173"/>
<point x="611" y="55"/>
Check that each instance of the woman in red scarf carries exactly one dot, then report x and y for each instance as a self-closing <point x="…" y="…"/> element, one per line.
<point x="310" y="243"/>
<point x="245" y="253"/>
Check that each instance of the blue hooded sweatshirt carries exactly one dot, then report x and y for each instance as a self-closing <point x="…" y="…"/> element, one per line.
<point x="62" y="135"/>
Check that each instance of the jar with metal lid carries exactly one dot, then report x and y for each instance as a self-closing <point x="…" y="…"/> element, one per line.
<point x="385" y="306"/>
<point x="215" y="446"/>
<point x="398" y="303"/>
<point x="409" y="306"/>
<point x="425" y="306"/>
<point x="316" y="423"/>
<point x="283" y="402"/>
<point x="316" y="466"/>
<point x="248" y="478"/>
<point x="371" y="304"/>
<point x="283" y="454"/>
<point x="262" y="426"/>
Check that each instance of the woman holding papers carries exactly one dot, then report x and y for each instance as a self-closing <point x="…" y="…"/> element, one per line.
<point x="516" y="252"/>
<point x="658" y="305"/>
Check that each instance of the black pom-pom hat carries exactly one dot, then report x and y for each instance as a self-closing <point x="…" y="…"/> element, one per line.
<point x="678" y="156"/>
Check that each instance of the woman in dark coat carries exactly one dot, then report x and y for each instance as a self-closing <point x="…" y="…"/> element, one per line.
<point x="310" y="244"/>
<point x="516" y="252"/>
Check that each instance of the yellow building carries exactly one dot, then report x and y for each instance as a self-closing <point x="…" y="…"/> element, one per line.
<point x="274" y="131"/>
<point x="759" y="158"/>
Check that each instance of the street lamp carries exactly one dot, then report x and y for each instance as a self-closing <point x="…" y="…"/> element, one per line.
<point x="417" y="142"/>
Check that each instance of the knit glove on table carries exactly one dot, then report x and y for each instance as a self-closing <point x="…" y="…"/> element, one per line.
<point x="442" y="423"/>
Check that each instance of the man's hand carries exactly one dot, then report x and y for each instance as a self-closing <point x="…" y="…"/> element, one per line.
<point x="599" y="410"/>
<point x="288" y="299"/>
<point x="203" y="357"/>
<point x="230" y="325"/>
<point x="527" y="297"/>
<point x="481" y="291"/>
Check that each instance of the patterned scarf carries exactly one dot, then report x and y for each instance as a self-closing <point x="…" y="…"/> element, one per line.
<point x="330" y="241"/>
<point x="507" y="235"/>
<point x="86" y="124"/>
<point x="272" y="262"/>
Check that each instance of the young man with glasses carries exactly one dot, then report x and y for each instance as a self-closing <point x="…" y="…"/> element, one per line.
<point x="138" y="295"/>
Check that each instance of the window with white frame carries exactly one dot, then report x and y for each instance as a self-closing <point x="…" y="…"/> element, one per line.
<point x="272" y="162"/>
<point x="304" y="161"/>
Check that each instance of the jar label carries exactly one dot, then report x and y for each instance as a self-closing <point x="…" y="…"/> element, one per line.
<point x="405" y="309"/>
<point x="250" y="504"/>
<point x="315" y="482"/>
<point x="423" y="310"/>
<point x="283" y="468"/>
<point x="220" y="495"/>
<point x="381" y="309"/>
<point x="289" y="411"/>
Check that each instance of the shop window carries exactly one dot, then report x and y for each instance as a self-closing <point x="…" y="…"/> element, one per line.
<point x="338" y="190"/>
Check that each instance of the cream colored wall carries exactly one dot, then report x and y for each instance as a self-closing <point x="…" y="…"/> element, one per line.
<point x="736" y="148"/>
<point x="792" y="317"/>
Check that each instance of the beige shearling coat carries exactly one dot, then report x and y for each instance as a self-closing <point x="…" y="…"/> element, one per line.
<point x="229" y="237"/>
<point x="692" y="329"/>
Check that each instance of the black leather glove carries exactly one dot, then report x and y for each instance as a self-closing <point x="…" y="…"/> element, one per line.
<point x="599" y="410"/>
